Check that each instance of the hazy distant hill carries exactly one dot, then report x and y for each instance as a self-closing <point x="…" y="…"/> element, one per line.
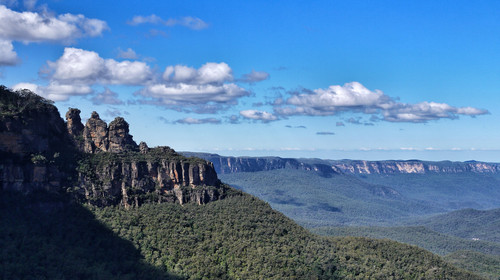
<point x="467" y="223"/>
<point x="314" y="200"/>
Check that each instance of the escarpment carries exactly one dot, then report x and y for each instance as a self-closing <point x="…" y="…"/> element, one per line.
<point x="225" y="165"/>
<point x="98" y="163"/>
<point x="156" y="175"/>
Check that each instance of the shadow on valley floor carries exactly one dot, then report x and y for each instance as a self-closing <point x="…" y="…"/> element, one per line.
<point x="44" y="237"/>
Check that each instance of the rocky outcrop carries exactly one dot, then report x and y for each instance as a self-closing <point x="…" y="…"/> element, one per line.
<point x="35" y="150"/>
<point x="143" y="148"/>
<point x="118" y="136"/>
<point x="94" y="163"/>
<point x="95" y="135"/>
<point x="98" y="137"/>
<point x="153" y="176"/>
<point x="74" y="122"/>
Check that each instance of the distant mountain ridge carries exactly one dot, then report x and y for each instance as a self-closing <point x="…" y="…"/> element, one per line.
<point x="225" y="165"/>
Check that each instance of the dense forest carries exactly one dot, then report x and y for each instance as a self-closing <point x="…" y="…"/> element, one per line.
<point x="240" y="237"/>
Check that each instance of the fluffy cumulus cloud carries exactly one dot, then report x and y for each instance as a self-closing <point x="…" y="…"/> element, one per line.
<point x="207" y="89"/>
<point x="30" y="27"/>
<point x="209" y="73"/>
<point x="87" y="67"/>
<point x="37" y="27"/>
<point x="354" y="97"/>
<point x="189" y="22"/>
<point x="258" y="115"/>
<point x="77" y="70"/>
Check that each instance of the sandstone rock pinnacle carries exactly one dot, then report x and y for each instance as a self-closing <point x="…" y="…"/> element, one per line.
<point x="119" y="137"/>
<point x="95" y="135"/>
<point x="74" y="122"/>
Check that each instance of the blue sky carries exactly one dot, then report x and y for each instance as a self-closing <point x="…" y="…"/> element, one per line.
<point x="328" y="79"/>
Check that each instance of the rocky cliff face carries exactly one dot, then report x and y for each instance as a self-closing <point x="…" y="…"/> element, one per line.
<point x="34" y="144"/>
<point x="152" y="176"/>
<point x="413" y="167"/>
<point x="99" y="164"/>
<point x="224" y="165"/>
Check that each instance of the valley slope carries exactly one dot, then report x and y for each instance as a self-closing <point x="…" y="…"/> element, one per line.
<point x="398" y="200"/>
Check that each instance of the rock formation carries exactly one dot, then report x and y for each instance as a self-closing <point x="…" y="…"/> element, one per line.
<point x="95" y="135"/>
<point x="74" y="122"/>
<point x="98" y="137"/>
<point x="35" y="148"/>
<point x="143" y="148"/>
<point x="118" y="136"/>
<point x="154" y="177"/>
<point x="95" y="163"/>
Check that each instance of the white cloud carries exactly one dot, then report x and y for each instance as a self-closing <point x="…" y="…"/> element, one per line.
<point x="29" y="86"/>
<point x="55" y="91"/>
<point x="426" y="111"/>
<point x="179" y="73"/>
<point x="136" y="20"/>
<point x="77" y="70"/>
<point x="7" y="54"/>
<point x="87" y="67"/>
<point x="258" y="115"/>
<point x="77" y="65"/>
<point x="255" y="76"/>
<point x="334" y="98"/>
<point x="354" y="97"/>
<point x="205" y="90"/>
<point x="207" y="74"/>
<point x="189" y="22"/>
<point x="126" y="72"/>
<point x="193" y="94"/>
<point x="36" y="27"/>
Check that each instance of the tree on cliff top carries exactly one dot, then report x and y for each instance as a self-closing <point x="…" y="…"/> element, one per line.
<point x="14" y="102"/>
